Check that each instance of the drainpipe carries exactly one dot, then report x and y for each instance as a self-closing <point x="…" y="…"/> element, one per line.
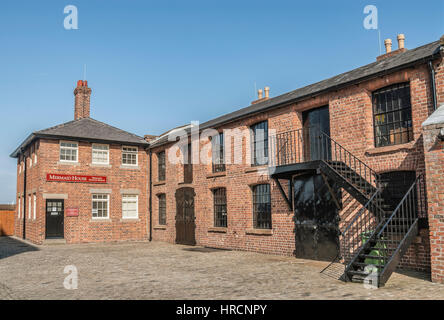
<point x="432" y="84"/>
<point x="150" y="199"/>
<point x="24" y="195"/>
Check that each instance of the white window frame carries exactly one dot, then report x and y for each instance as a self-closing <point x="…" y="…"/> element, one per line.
<point x="137" y="206"/>
<point x="35" y="158"/>
<point x="19" y="208"/>
<point x="101" y="150"/>
<point x="34" y="212"/>
<point x="100" y="200"/>
<point x="29" y="208"/>
<point x="71" y="148"/>
<point x="136" y="153"/>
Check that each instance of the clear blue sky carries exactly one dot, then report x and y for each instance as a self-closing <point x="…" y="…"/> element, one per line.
<point x="153" y="65"/>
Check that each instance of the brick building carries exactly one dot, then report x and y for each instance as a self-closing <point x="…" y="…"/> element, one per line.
<point x="82" y="181"/>
<point x="348" y="169"/>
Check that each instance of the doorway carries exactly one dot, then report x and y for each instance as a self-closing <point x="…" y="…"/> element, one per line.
<point x="185" y="219"/>
<point x="316" y="216"/>
<point x="316" y="122"/>
<point x="54" y="218"/>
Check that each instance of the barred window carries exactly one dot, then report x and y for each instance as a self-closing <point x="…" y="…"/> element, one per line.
<point x="259" y="143"/>
<point x="262" y="206"/>
<point x="161" y="165"/>
<point x="220" y="207"/>
<point x="68" y="151"/>
<point x="392" y="115"/>
<point x="162" y="208"/>
<point x="129" y="155"/>
<point x="130" y="206"/>
<point x="218" y="153"/>
<point x="100" y="206"/>
<point x="100" y="154"/>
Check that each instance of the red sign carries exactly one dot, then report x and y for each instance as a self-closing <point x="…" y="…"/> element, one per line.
<point x="74" y="178"/>
<point x="72" y="212"/>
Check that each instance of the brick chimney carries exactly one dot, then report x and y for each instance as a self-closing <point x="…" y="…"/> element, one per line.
<point x="388" y="47"/>
<point x="82" y="97"/>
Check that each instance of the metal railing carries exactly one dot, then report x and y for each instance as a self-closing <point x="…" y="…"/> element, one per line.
<point x="395" y="228"/>
<point x="310" y="144"/>
<point x="360" y="228"/>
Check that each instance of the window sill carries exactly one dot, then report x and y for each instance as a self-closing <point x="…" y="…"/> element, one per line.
<point x="160" y="227"/>
<point x="259" y="232"/>
<point x="129" y="220"/>
<point x="256" y="169"/>
<point x="394" y="148"/>
<point x="181" y="183"/>
<point x="216" y="174"/>
<point x="217" y="229"/>
<point x="68" y="163"/>
<point x="107" y="220"/>
<point x="103" y="165"/>
<point x="129" y="167"/>
<point x="160" y="183"/>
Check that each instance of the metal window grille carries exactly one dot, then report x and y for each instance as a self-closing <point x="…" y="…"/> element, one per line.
<point x="220" y="207"/>
<point x="262" y="206"/>
<point x="161" y="165"/>
<point x="392" y="115"/>
<point x="259" y="144"/>
<point x="162" y="209"/>
<point x="218" y="153"/>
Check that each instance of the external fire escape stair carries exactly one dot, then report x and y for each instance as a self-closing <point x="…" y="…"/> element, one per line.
<point x="374" y="238"/>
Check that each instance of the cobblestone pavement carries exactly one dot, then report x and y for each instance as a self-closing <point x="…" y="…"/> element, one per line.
<point x="164" y="271"/>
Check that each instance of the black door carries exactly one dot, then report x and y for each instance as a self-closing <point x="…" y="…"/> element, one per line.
<point x="395" y="185"/>
<point x="185" y="219"/>
<point x="54" y="218"/>
<point x="317" y="121"/>
<point x="316" y="216"/>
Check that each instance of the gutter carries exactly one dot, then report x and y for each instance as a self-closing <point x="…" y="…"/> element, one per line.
<point x="150" y="198"/>
<point x="24" y="194"/>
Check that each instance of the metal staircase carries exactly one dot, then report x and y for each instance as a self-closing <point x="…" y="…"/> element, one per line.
<point x="374" y="240"/>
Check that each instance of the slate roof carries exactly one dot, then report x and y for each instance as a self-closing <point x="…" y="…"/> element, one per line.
<point x="84" y="129"/>
<point x="391" y="64"/>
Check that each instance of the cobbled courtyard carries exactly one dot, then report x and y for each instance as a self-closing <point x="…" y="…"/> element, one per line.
<point x="156" y="270"/>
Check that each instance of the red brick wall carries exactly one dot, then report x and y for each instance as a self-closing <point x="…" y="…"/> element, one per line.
<point x="351" y="121"/>
<point x="83" y="228"/>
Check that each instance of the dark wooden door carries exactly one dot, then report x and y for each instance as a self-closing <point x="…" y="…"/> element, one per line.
<point x="185" y="219"/>
<point x="54" y="218"/>
<point x="317" y="121"/>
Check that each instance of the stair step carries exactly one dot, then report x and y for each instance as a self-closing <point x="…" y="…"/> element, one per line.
<point x="358" y="273"/>
<point x="363" y="264"/>
<point x="368" y="256"/>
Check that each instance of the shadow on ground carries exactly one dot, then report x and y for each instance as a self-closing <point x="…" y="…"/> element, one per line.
<point x="10" y="246"/>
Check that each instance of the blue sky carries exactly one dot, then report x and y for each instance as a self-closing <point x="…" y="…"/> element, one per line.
<point x="154" y="65"/>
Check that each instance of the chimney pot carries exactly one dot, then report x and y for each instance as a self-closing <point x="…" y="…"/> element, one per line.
<point x="388" y="45"/>
<point x="401" y="39"/>
<point x="259" y="94"/>
<point x="79" y="83"/>
<point x="267" y="92"/>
